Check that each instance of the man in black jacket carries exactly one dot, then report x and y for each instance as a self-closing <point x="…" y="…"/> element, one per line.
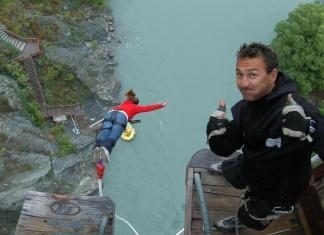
<point x="277" y="131"/>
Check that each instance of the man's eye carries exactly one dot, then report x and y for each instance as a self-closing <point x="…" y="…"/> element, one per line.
<point x="252" y="75"/>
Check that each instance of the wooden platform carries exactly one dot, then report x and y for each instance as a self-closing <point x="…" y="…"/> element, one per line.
<point x="45" y="213"/>
<point x="222" y="200"/>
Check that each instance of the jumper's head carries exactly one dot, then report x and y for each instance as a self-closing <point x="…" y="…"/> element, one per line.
<point x="131" y="96"/>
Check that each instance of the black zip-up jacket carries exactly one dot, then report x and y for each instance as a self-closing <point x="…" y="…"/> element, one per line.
<point x="275" y="166"/>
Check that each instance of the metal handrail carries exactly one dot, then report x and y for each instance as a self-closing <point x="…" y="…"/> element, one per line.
<point x="26" y="40"/>
<point x="102" y="226"/>
<point x="202" y="204"/>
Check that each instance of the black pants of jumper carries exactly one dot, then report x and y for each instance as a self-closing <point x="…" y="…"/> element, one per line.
<point x="255" y="213"/>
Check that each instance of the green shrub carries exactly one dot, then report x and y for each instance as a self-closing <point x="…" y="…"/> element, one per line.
<point x="75" y="36"/>
<point x="4" y="106"/>
<point x="7" y="54"/>
<point x="35" y="114"/>
<point x="95" y="3"/>
<point x="18" y="73"/>
<point x="321" y="110"/>
<point x="63" y="141"/>
<point x="66" y="147"/>
<point x="26" y="93"/>
<point x="300" y="48"/>
<point x="53" y="71"/>
<point x="4" y="2"/>
<point x="60" y="84"/>
<point x="94" y="44"/>
<point x="3" y="137"/>
<point x="69" y="77"/>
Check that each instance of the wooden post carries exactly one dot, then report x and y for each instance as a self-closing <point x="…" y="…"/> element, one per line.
<point x="311" y="204"/>
<point x="45" y="213"/>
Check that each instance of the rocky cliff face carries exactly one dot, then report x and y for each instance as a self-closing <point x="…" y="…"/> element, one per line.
<point x="92" y="57"/>
<point x="28" y="155"/>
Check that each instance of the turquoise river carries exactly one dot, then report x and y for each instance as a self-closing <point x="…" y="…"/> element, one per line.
<point x="182" y="51"/>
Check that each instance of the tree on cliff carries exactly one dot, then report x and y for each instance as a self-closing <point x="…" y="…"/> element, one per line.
<point x="299" y="44"/>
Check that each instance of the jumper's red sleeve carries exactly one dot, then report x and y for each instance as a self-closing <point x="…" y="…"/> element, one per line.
<point x="147" y="108"/>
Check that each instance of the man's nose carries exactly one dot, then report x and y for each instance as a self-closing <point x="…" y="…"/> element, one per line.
<point x="244" y="82"/>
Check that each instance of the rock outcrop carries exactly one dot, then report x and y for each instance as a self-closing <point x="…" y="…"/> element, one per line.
<point x="29" y="158"/>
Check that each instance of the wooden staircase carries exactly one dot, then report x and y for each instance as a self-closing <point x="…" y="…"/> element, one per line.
<point x="76" y="111"/>
<point x="11" y="39"/>
<point x="30" y="47"/>
<point x="81" y="121"/>
<point x="30" y="68"/>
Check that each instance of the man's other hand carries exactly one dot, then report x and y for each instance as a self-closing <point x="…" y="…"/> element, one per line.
<point x="294" y="121"/>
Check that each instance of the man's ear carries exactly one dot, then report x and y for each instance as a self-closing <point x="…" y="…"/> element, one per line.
<point x="273" y="74"/>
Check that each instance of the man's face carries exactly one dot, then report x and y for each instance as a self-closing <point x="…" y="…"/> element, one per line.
<point x="252" y="78"/>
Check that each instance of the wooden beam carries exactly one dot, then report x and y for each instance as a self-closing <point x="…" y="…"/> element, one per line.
<point x="313" y="211"/>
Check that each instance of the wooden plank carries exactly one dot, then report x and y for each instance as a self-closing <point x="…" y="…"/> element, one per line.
<point x="48" y="225"/>
<point x="204" y="158"/>
<point x="213" y="215"/>
<point x="284" y="222"/>
<point x="216" y="202"/>
<point x="295" y="231"/>
<point x="223" y="190"/>
<point x="39" y="205"/>
<point x="44" y="213"/>
<point x="208" y="178"/>
<point x="279" y="226"/>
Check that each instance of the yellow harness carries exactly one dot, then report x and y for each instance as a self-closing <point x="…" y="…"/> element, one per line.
<point x="128" y="133"/>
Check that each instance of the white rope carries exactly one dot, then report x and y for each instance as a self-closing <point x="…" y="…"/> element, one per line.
<point x="122" y="219"/>
<point x="180" y="232"/>
<point x="100" y="187"/>
<point x="285" y="230"/>
<point x="118" y="217"/>
<point x="96" y="123"/>
<point x="126" y="222"/>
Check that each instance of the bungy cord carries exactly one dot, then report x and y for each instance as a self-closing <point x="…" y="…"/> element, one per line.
<point x="118" y="217"/>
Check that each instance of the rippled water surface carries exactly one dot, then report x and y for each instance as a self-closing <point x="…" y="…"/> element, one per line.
<point x="182" y="51"/>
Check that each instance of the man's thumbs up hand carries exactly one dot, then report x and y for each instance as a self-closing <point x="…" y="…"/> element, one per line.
<point x="217" y="121"/>
<point x="220" y="113"/>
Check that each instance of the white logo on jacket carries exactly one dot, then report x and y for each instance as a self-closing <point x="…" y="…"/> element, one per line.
<point x="273" y="142"/>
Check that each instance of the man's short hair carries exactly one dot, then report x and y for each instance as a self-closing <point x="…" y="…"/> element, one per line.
<point x="254" y="50"/>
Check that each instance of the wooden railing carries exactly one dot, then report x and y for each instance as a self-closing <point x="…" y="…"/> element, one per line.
<point x="74" y="110"/>
<point x="36" y="41"/>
